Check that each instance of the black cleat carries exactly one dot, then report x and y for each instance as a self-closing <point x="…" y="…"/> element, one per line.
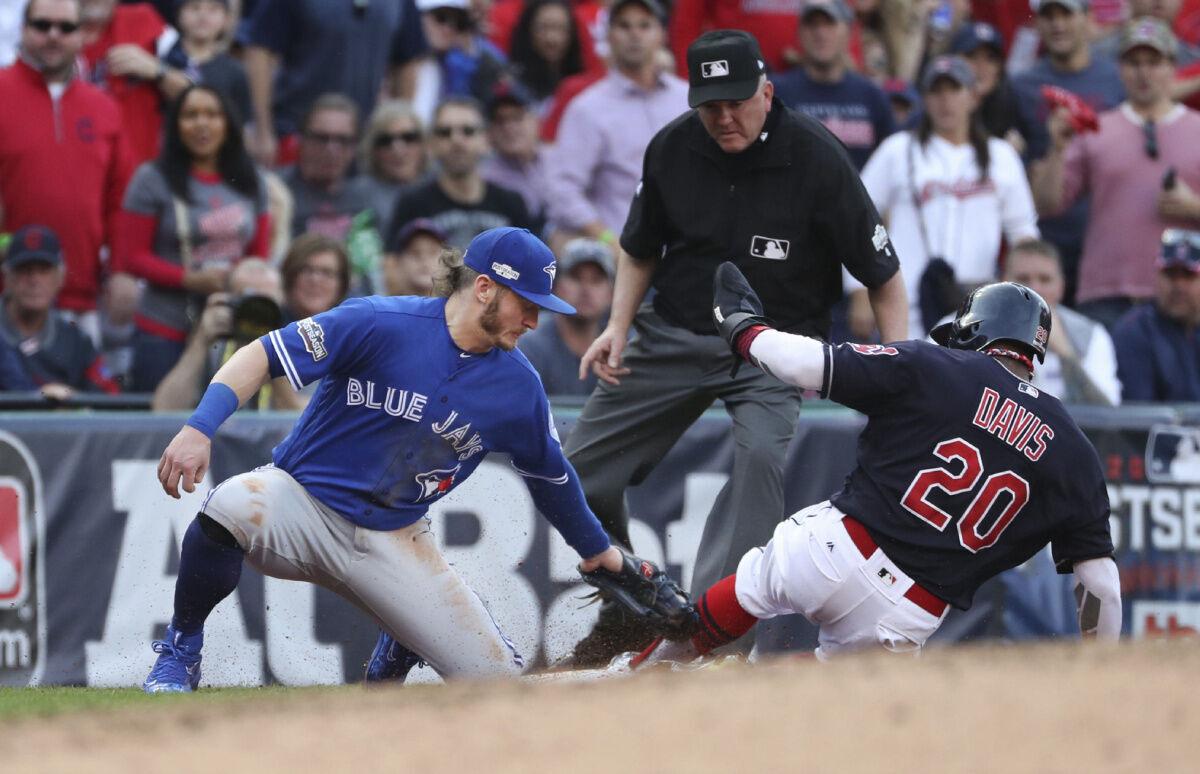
<point x="736" y="306"/>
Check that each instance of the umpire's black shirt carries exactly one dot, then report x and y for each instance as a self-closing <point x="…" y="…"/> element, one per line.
<point x="789" y="210"/>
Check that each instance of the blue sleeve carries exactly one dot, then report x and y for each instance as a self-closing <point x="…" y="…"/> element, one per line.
<point x="868" y="377"/>
<point x="272" y="25"/>
<point x="563" y="505"/>
<point x="308" y="349"/>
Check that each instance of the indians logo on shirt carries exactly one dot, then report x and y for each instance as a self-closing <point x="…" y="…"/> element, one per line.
<point x="436" y="483"/>
<point x="313" y="337"/>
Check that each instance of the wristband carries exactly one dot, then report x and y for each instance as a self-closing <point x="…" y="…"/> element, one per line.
<point x="217" y="405"/>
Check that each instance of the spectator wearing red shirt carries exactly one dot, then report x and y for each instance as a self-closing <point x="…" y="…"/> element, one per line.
<point x="63" y="159"/>
<point x="121" y="46"/>
<point x="772" y="22"/>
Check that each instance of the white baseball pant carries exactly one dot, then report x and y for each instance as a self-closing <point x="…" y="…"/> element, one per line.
<point x="399" y="578"/>
<point x="813" y="567"/>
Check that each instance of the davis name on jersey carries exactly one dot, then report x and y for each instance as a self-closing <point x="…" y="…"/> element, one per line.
<point x="402" y="415"/>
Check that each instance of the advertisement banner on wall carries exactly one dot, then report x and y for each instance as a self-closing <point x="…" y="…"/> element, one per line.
<point x="89" y="550"/>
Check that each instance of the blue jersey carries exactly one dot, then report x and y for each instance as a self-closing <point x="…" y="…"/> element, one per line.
<point x="964" y="469"/>
<point x="403" y="415"/>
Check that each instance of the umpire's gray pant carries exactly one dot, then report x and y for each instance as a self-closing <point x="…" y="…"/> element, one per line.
<point x="624" y="430"/>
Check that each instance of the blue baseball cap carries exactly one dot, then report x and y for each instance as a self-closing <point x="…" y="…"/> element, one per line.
<point x="953" y="68"/>
<point x="33" y="244"/>
<point x="1180" y="250"/>
<point x="519" y="261"/>
<point x="976" y="35"/>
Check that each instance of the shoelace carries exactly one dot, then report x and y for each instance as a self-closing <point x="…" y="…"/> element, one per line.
<point x="176" y="669"/>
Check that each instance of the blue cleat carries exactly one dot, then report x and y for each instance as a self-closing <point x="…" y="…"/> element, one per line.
<point x="390" y="661"/>
<point x="177" y="669"/>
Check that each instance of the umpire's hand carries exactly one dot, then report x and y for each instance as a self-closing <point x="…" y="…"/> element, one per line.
<point x="603" y="357"/>
<point x="185" y="461"/>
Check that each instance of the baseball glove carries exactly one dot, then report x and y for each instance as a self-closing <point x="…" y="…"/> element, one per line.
<point x="649" y="594"/>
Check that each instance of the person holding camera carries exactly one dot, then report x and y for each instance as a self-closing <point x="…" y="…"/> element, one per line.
<point x="950" y="193"/>
<point x="188" y="217"/>
<point x="250" y="308"/>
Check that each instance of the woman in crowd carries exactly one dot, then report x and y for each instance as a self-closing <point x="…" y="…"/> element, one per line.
<point x="188" y="217"/>
<point x="316" y="276"/>
<point x="545" y="47"/>
<point x="392" y="156"/>
<point x="949" y="193"/>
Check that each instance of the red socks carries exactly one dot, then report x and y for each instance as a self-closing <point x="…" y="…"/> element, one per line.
<point x="722" y="619"/>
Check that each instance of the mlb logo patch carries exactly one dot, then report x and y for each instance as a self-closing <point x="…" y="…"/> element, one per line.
<point x="770" y="248"/>
<point x="1028" y="389"/>
<point x="14" y="544"/>
<point x="717" y="69"/>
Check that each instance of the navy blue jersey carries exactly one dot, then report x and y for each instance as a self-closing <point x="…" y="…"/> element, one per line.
<point x="402" y="414"/>
<point x="964" y="469"/>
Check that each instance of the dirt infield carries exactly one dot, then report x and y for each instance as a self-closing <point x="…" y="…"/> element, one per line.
<point x="1047" y="708"/>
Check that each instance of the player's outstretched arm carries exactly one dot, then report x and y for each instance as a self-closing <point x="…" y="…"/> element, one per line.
<point x="1098" y="597"/>
<point x="738" y="315"/>
<point x="185" y="460"/>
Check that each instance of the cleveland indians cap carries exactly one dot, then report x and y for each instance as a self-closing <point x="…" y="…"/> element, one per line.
<point x="1180" y="250"/>
<point x="33" y="244"/>
<point x="521" y="262"/>
<point x="954" y="68"/>
<point x="723" y="64"/>
<point x="1148" y="32"/>
<point x="976" y="35"/>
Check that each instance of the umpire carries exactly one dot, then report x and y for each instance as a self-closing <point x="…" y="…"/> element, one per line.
<point x="739" y="178"/>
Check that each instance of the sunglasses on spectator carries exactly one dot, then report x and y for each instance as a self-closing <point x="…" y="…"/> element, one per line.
<point x="444" y="132"/>
<point x="321" y="138"/>
<point x="1150" y="133"/>
<point x="1173" y="237"/>
<point x="45" y="25"/>
<point x="411" y="137"/>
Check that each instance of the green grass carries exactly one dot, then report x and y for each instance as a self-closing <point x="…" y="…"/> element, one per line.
<point x="47" y="702"/>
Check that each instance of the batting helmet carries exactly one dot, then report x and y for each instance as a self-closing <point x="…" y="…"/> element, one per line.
<point x="1004" y="311"/>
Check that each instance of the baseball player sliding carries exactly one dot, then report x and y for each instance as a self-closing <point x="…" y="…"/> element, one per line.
<point x="414" y="394"/>
<point x="964" y="470"/>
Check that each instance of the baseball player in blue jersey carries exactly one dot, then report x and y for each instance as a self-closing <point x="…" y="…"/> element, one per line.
<point x="964" y="470"/>
<point x="407" y="408"/>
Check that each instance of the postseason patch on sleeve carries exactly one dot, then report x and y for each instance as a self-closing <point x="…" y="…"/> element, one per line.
<point x="313" y="337"/>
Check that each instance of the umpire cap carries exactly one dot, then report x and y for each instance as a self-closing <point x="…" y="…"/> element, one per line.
<point x="1003" y="311"/>
<point x="723" y="65"/>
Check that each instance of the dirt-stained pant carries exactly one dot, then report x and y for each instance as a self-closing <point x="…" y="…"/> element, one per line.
<point x="399" y="578"/>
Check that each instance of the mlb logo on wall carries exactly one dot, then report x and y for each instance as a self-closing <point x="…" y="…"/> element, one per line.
<point x="717" y="69"/>
<point x="1173" y="455"/>
<point x="770" y="248"/>
<point x="22" y="598"/>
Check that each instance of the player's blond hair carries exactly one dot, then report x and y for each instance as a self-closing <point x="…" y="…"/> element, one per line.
<point x="452" y="274"/>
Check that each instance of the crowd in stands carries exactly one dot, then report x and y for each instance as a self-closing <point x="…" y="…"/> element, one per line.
<point x="179" y="176"/>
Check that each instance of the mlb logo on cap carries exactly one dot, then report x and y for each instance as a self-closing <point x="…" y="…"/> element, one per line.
<point x="717" y="69"/>
<point x="14" y="544"/>
<point x="723" y="65"/>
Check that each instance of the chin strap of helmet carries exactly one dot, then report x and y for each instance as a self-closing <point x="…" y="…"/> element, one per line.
<point x="1023" y="359"/>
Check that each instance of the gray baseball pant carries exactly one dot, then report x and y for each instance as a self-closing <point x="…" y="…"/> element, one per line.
<point x="624" y="431"/>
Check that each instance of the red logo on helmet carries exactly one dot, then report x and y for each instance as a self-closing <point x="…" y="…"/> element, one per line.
<point x="647" y="569"/>
<point x="14" y="543"/>
<point x="1041" y="336"/>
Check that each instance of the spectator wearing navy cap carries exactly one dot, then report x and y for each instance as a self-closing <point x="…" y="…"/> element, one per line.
<point x="409" y="269"/>
<point x="850" y="106"/>
<point x="904" y="101"/>
<point x="519" y="161"/>
<point x="56" y="355"/>
<point x="585" y="280"/>
<point x="1158" y="346"/>
<point x="983" y="47"/>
